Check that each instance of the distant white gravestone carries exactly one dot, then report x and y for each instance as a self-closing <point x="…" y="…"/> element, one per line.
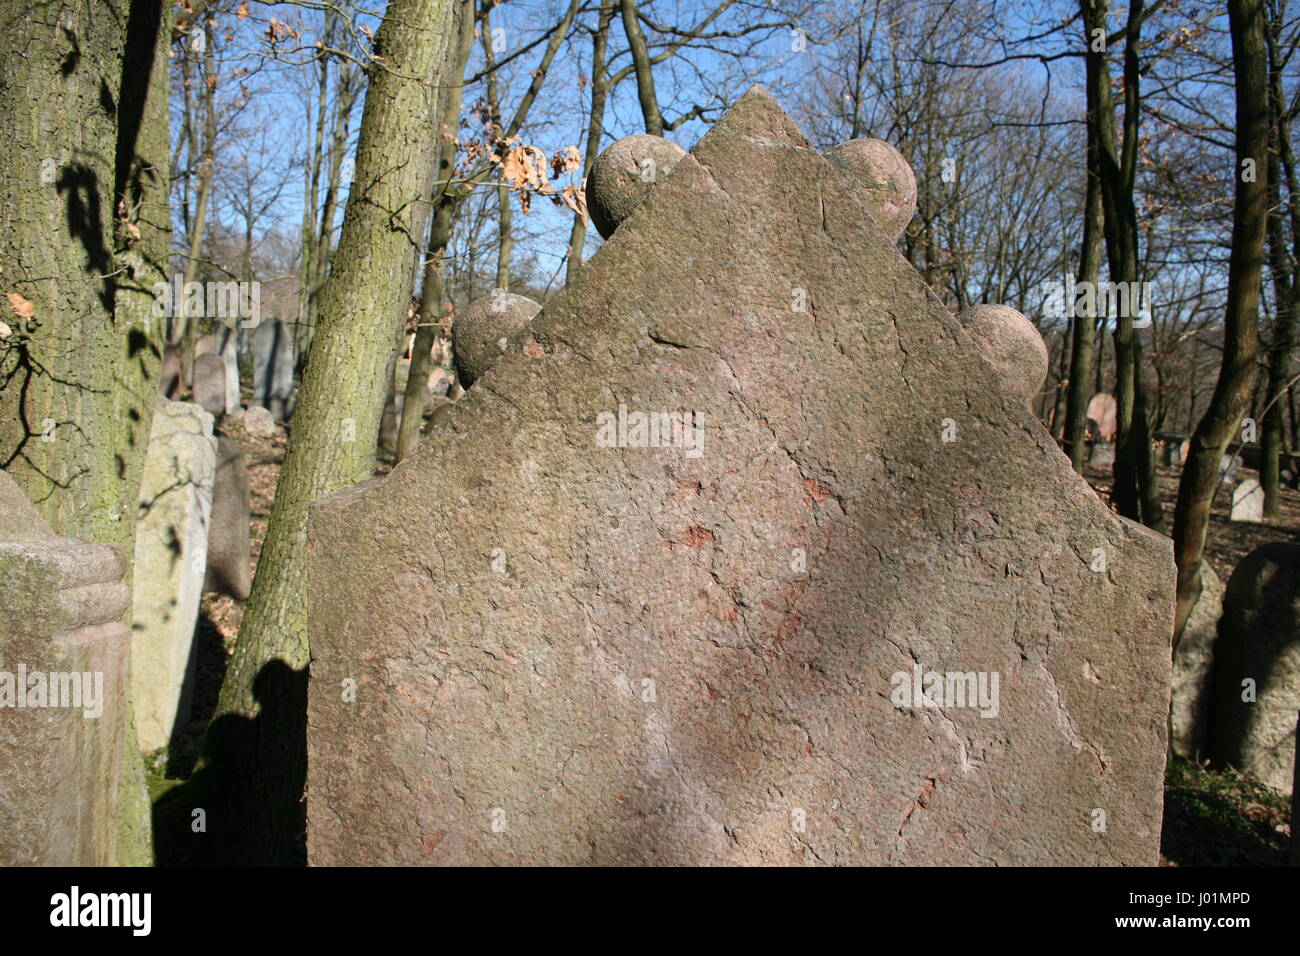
<point x="1248" y="501"/>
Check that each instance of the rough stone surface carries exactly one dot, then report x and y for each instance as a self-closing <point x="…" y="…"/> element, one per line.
<point x="624" y="175"/>
<point x="224" y="342"/>
<point x="228" y="570"/>
<point x="482" y="331"/>
<point x="1103" y="412"/>
<point x="210" y="384"/>
<point x="1248" y="501"/>
<point x="1193" y="668"/>
<point x="273" y="361"/>
<point x="1011" y="345"/>
<point x="171" y="543"/>
<point x="63" y="601"/>
<point x="571" y="653"/>
<point x="883" y="177"/>
<point x="1259" y="640"/>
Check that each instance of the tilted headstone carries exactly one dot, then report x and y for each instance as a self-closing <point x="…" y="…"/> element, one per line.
<point x="228" y="568"/>
<point x="171" y="542"/>
<point x="662" y="586"/>
<point x="224" y="342"/>
<point x="1193" y="668"/>
<point x="1102" y="412"/>
<point x="1248" y="501"/>
<point x="63" y="669"/>
<point x="1257" y="667"/>
<point x="273" y="361"/>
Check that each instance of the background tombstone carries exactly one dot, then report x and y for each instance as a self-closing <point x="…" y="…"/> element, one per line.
<point x="1229" y="465"/>
<point x="1259" y="642"/>
<point x="1248" y="501"/>
<point x="229" y="547"/>
<point x="63" y="600"/>
<point x="1103" y="454"/>
<point x="210" y="384"/>
<point x="171" y="543"/>
<point x="224" y="342"/>
<point x="1189" y="706"/>
<point x="273" y="362"/>
<point x="1102" y="412"/>
<point x="688" y="649"/>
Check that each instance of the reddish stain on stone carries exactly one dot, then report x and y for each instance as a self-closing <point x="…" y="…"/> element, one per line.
<point x="432" y="842"/>
<point x="695" y="537"/>
<point x="533" y="350"/>
<point x="819" y="491"/>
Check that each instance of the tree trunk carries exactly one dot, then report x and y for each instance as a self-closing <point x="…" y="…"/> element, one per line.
<point x="1241" y="321"/>
<point x="1281" y="165"/>
<point x="85" y="103"/>
<point x="256" y="749"/>
<point x="595" y="127"/>
<point x="1085" y="326"/>
<point x="645" y="80"/>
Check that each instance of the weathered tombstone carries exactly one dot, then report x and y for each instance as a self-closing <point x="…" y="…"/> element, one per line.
<point x="624" y="174"/>
<point x="259" y="423"/>
<point x="1257" y="667"/>
<point x="63" y="668"/>
<point x="224" y="342"/>
<point x="210" y="384"/>
<point x="273" y="361"/>
<point x="482" y="331"/>
<point x="1193" y="668"/>
<point x="1103" y="455"/>
<point x="1184" y="448"/>
<point x="171" y="542"/>
<point x="1248" y="501"/>
<point x="1011" y="345"/>
<point x="569" y="632"/>
<point x="228" y="570"/>
<point x="1102" y="412"/>
<point x="886" y="183"/>
<point x="1171" y="452"/>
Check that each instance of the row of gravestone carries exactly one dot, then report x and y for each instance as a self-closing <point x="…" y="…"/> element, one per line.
<point x="273" y="362"/>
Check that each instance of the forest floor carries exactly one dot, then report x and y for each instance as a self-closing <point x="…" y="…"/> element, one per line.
<point x="1212" y="818"/>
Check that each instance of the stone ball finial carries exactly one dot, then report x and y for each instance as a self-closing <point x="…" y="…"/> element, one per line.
<point x="623" y="176"/>
<point x="480" y="331"/>
<point x="1011" y="344"/>
<point x="882" y="173"/>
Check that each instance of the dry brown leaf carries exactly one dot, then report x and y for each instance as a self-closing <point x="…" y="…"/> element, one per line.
<point x="23" y="308"/>
<point x="566" y="160"/>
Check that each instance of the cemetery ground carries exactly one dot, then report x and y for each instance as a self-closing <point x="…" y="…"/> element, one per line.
<point x="1211" y="817"/>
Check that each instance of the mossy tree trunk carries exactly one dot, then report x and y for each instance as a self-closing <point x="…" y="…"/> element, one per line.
<point x="1241" y="322"/>
<point x="84" y="235"/>
<point x="256" y="748"/>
